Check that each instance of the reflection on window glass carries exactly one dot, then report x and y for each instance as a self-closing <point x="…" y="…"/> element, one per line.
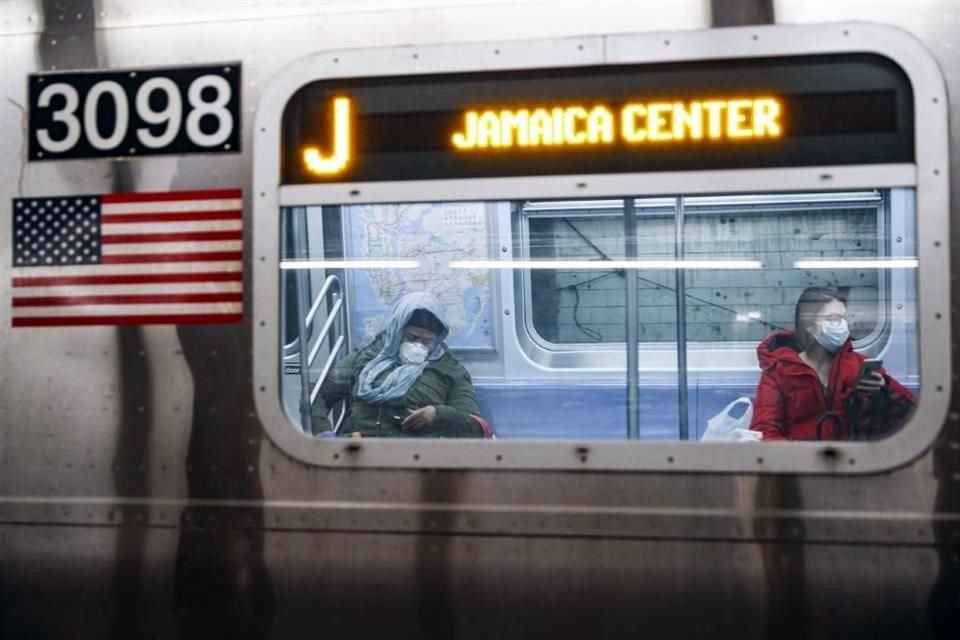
<point x="774" y="316"/>
<point x="722" y="305"/>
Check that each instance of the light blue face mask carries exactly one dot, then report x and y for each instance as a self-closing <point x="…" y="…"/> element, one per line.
<point x="831" y="336"/>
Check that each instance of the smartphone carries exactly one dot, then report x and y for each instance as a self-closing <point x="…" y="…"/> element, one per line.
<point x="868" y="367"/>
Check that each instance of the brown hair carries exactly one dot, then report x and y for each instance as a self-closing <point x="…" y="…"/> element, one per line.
<point x="808" y="304"/>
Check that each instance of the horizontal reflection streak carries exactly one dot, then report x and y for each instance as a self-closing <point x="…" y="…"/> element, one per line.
<point x="894" y="263"/>
<point x="606" y="265"/>
<point x="601" y="265"/>
<point x="350" y="264"/>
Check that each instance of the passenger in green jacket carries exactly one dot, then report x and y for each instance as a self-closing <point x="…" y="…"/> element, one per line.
<point x="406" y="383"/>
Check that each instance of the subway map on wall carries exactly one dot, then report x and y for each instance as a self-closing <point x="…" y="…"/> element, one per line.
<point x="432" y="234"/>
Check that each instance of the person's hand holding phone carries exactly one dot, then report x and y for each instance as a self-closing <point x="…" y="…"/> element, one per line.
<point x="870" y="379"/>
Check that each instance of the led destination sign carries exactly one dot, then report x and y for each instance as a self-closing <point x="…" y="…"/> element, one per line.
<point x="575" y="126"/>
<point x="762" y="113"/>
<point x="635" y="123"/>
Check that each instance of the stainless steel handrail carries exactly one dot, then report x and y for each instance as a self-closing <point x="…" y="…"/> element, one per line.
<point x="308" y="355"/>
<point x="326" y="368"/>
<point x="319" y="299"/>
<point x="291" y="350"/>
<point x="331" y="317"/>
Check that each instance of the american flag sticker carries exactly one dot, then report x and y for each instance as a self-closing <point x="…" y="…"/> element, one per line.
<point x="128" y="259"/>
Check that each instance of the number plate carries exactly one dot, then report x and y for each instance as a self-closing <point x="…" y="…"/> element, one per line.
<point x="135" y="113"/>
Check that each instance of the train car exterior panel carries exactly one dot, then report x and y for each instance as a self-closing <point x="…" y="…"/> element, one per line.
<point x="140" y="495"/>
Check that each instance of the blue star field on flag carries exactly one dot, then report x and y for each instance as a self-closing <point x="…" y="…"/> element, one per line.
<point x="56" y="231"/>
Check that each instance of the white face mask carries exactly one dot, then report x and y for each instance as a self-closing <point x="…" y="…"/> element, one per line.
<point x="831" y="335"/>
<point x="413" y="352"/>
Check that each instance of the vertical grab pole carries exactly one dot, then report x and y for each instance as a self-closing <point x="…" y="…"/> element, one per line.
<point x="632" y="319"/>
<point x="303" y="305"/>
<point x="682" y="409"/>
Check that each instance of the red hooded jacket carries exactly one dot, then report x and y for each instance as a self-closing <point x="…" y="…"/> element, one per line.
<point x="791" y="404"/>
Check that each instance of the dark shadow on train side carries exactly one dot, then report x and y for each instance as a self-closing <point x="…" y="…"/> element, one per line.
<point x="131" y="481"/>
<point x="433" y="560"/>
<point x="943" y="608"/>
<point x="68" y="41"/>
<point x="222" y="586"/>
<point x="943" y="605"/>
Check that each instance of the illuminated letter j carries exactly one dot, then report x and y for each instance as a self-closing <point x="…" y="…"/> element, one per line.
<point x="467" y="139"/>
<point x="338" y="161"/>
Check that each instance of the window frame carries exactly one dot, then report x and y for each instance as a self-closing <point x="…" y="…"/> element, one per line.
<point x="541" y="349"/>
<point x="928" y="176"/>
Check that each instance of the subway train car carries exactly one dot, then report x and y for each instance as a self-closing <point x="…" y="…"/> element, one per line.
<point x="213" y="210"/>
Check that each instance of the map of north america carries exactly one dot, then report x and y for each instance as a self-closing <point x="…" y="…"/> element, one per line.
<point x="433" y="235"/>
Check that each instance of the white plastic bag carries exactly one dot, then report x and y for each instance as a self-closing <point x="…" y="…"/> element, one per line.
<point x="723" y="427"/>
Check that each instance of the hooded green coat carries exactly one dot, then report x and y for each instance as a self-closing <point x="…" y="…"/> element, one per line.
<point x="444" y="383"/>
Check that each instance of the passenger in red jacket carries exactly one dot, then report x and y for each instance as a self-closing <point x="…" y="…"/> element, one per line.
<point x="808" y="389"/>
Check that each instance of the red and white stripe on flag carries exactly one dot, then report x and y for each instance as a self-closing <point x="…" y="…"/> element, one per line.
<point x="128" y="259"/>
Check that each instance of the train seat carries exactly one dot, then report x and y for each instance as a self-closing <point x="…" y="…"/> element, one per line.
<point x="548" y="410"/>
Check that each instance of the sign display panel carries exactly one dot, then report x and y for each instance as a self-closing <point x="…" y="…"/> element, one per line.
<point x="776" y="112"/>
<point x="107" y="114"/>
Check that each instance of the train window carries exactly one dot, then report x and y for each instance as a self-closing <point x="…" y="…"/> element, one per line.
<point x="714" y="278"/>
<point x="592" y="256"/>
